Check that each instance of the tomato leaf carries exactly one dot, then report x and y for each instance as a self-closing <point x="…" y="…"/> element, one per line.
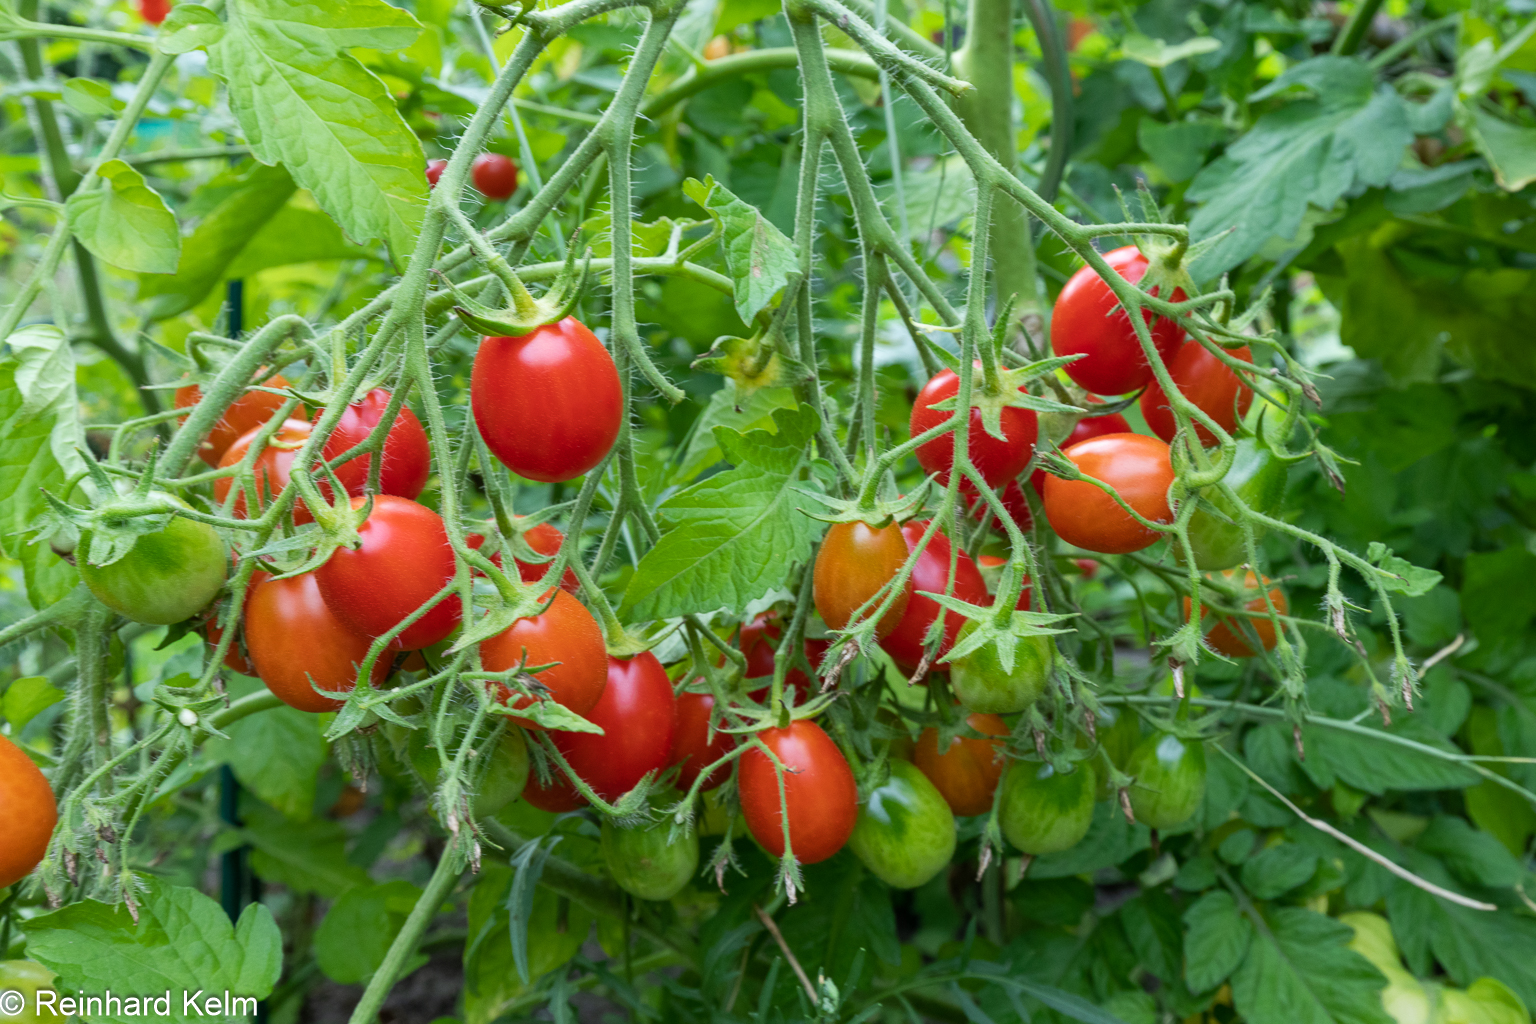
<point x="1402" y="576"/>
<point x="26" y="698"/>
<point x="189" y="27"/>
<point x="303" y="101"/>
<point x="1278" y="870"/>
<point x="1467" y="943"/>
<point x="1217" y="940"/>
<point x="125" y="222"/>
<point x="181" y="942"/>
<point x="729" y="538"/>
<point x="759" y="256"/>
<point x="1300" y="970"/>
<point x="277" y="755"/>
<point x="1308" y="153"/>
<point x="357" y="931"/>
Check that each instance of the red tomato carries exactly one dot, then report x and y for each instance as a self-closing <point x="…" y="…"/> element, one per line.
<point x="154" y="12"/>
<point x="854" y="562"/>
<point x="557" y="797"/>
<point x="28" y="809"/>
<point x="1014" y="503"/>
<point x="1206" y="381"/>
<point x="546" y="540"/>
<point x="819" y="792"/>
<point x="407" y="459"/>
<point x="998" y="461"/>
<point x="494" y="175"/>
<point x="271" y="471"/>
<point x="1088" y="319"/>
<point x="566" y="633"/>
<point x="549" y="403"/>
<point x="756" y="642"/>
<point x="693" y="749"/>
<point x="966" y="773"/>
<point x="1137" y="467"/>
<point x="245" y="414"/>
<point x="234" y="660"/>
<point x="1025" y="593"/>
<point x="435" y="170"/>
<point x="1088" y="426"/>
<point x="404" y="559"/>
<point x="638" y="716"/>
<point x="905" y="643"/>
<point x="1228" y="638"/>
<point x="294" y="637"/>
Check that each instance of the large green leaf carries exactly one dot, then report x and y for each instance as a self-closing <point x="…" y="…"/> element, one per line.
<point x="277" y="755"/>
<point x="40" y="442"/>
<point x="1468" y="943"/>
<point x="308" y="856"/>
<point x="1309" y="153"/>
<point x="1217" y="941"/>
<point x="182" y="943"/>
<point x="760" y="258"/>
<point x="1300" y="970"/>
<point x="356" y="933"/>
<point x="125" y="222"/>
<point x="305" y="102"/>
<point x="1510" y="148"/>
<point x="730" y="537"/>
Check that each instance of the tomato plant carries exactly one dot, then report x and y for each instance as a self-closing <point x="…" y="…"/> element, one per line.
<point x="983" y="683"/>
<point x="905" y="642"/>
<point x="1169" y="775"/>
<point x="1083" y="514"/>
<point x="548" y="403"/>
<point x="998" y="460"/>
<point x="406" y="461"/>
<point x="1230" y="636"/>
<point x="1044" y="810"/>
<point x="166" y="576"/>
<point x="402" y="560"/>
<point x="1207" y="382"/>
<point x="270" y="471"/>
<point x="1088" y="321"/>
<point x="820" y="804"/>
<point x="966" y="771"/>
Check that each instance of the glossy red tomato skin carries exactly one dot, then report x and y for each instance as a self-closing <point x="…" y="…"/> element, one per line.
<point x="819" y="792"/>
<point x="565" y="632"/>
<point x="244" y="415"/>
<point x="548" y="403"/>
<point x="905" y="643"/>
<point x="1230" y="638"/>
<point x="638" y="716"/>
<point x="494" y="175"/>
<point x="154" y="12"/>
<point x="1081" y="514"/>
<point x="998" y="460"/>
<point x="435" y="170"/>
<point x="693" y="749"/>
<point x="966" y="773"/>
<point x="546" y="540"/>
<point x="1085" y="428"/>
<point x="271" y="472"/>
<point x="404" y="559"/>
<point x="407" y="459"/>
<point x="1206" y="381"/>
<point x="29" y="812"/>
<point x="855" y="560"/>
<point x="1087" y="319"/>
<point x="293" y="636"/>
<point x="557" y="797"/>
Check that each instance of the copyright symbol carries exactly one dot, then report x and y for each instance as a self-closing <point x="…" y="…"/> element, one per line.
<point x="12" y="1003"/>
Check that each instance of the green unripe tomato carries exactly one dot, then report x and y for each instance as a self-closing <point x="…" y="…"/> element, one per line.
<point x="166" y="577"/>
<point x="981" y="683"/>
<point x="1118" y="731"/>
<point x="1046" y="811"/>
<point x="1216" y="540"/>
<point x="24" y="977"/>
<point x="906" y="832"/>
<point x="504" y="777"/>
<point x="1170" y="780"/>
<point x="645" y="862"/>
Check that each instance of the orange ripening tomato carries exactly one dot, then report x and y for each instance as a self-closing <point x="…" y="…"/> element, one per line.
<point x="855" y="560"/>
<point x="967" y="772"/>
<point x="1137" y="467"/>
<point x="294" y="639"/>
<point x="565" y="632"/>
<point x="271" y="471"/>
<point x="1088" y="320"/>
<point x="819" y="792"/>
<point x="28" y="811"/>
<point x="1205" y="381"/>
<point x="1231" y="639"/>
<point x="1088" y="426"/>
<point x="244" y="415"/>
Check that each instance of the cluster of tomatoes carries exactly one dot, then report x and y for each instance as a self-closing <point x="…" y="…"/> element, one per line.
<point x="494" y="175"/>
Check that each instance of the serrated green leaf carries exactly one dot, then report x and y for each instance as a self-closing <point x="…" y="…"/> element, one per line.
<point x="1217" y="940"/>
<point x="1307" y="154"/>
<point x="729" y="539"/>
<point x="1278" y="870"/>
<point x="26" y="698"/>
<point x="1300" y="970"/>
<point x="761" y="259"/>
<point x="182" y="942"/>
<point x="1468" y="943"/>
<point x="1376" y="765"/>
<point x="304" y="102"/>
<point x="125" y="222"/>
<point x="552" y="715"/>
<point x="1409" y="578"/>
<point x="728" y="408"/>
<point x="308" y="856"/>
<point x="188" y="27"/>
<point x="1510" y="148"/>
